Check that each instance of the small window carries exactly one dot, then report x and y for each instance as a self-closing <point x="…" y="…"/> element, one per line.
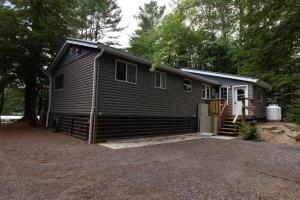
<point x="59" y="82"/>
<point x="160" y="80"/>
<point x="224" y="92"/>
<point x="125" y="72"/>
<point x="206" y="91"/>
<point x="259" y="94"/>
<point x="187" y="85"/>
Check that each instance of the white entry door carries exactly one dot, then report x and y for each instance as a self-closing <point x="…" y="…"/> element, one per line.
<point x="237" y="93"/>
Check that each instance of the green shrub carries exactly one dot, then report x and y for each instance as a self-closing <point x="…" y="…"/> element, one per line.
<point x="248" y="132"/>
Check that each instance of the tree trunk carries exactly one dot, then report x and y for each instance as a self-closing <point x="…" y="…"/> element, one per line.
<point x="30" y="100"/>
<point x="2" y="95"/>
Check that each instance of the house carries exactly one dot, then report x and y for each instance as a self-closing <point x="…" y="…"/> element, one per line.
<point x="99" y="92"/>
<point x="235" y="89"/>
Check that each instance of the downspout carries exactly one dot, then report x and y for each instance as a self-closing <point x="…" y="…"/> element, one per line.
<point x="94" y="95"/>
<point x="49" y="102"/>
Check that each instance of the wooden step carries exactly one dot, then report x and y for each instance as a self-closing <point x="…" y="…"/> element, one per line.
<point x="227" y="133"/>
<point x="227" y="129"/>
<point x="228" y="125"/>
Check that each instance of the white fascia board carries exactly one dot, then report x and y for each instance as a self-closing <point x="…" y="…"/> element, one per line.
<point x="251" y="80"/>
<point x="221" y="75"/>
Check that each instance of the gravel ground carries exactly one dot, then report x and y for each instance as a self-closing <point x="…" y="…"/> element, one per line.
<point x="39" y="164"/>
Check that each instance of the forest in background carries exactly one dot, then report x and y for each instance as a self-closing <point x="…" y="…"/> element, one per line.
<point x="258" y="38"/>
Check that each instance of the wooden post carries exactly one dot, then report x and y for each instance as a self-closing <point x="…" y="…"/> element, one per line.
<point x="95" y="130"/>
<point x="243" y="108"/>
<point x="212" y="123"/>
<point x="72" y="124"/>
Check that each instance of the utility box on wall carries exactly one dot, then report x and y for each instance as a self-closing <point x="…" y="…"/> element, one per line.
<point x="205" y="120"/>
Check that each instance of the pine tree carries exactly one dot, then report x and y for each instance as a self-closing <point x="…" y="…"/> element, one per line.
<point x="143" y="41"/>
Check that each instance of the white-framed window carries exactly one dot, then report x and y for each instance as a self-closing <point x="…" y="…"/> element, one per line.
<point x="206" y="91"/>
<point x="160" y="80"/>
<point x="125" y="71"/>
<point x="187" y="85"/>
<point x="59" y="82"/>
<point x="259" y="94"/>
<point x="224" y="92"/>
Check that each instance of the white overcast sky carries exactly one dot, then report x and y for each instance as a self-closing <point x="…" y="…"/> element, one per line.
<point x="129" y="9"/>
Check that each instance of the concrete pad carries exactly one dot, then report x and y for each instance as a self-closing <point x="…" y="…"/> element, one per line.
<point x="147" y="141"/>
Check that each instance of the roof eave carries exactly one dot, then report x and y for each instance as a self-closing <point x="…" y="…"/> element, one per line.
<point x="120" y="53"/>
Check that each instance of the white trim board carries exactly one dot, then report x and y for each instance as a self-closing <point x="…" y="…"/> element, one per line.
<point x="229" y="76"/>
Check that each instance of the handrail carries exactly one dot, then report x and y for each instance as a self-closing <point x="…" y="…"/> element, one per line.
<point x="224" y="106"/>
<point x="237" y="115"/>
<point x="223" y="113"/>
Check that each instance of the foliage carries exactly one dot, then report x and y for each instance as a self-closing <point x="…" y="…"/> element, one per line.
<point x="143" y="41"/>
<point x="99" y="19"/>
<point x="14" y="101"/>
<point x="247" y="131"/>
<point x="32" y="31"/>
<point x="255" y="38"/>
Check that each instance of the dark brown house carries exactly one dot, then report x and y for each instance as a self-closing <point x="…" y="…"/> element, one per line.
<point x="99" y="92"/>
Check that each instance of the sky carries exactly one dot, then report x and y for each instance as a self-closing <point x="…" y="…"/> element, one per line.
<point x="129" y="9"/>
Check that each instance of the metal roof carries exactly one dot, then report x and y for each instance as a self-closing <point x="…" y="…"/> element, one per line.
<point x="96" y="45"/>
<point x="230" y="76"/>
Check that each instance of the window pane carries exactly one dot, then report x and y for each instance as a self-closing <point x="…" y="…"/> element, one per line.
<point x="121" y="71"/>
<point x="203" y="92"/>
<point x="224" y="93"/>
<point x="163" y="80"/>
<point x="187" y="85"/>
<point x="131" y="73"/>
<point x="240" y="94"/>
<point x="58" y="82"/>
<point x="207" y="92"/>
<point x="157" y="79"/>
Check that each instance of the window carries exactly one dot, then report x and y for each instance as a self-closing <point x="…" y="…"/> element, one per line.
<point x="259" y="94"/>
<point x="224" y="92"/>
<point x="187" y="85"/>
<point x="125" y="72"/>
<point x="206" y="91"/>
<point x="160" y="80"/>
<point x="240" y="94"/>
<point x="59" y="82"/>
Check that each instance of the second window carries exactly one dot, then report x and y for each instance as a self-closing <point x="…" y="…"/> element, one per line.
<point x="126" y="72"/>
<point x="160" y="80"/>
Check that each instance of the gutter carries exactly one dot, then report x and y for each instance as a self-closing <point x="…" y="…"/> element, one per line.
<point x="94" y="95"/>
<point x="49" y="102"/>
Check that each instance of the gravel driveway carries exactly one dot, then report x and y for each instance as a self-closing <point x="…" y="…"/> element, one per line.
<point x="39" y="164"/>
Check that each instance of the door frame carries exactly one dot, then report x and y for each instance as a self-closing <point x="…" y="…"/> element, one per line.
<point x="233" y="96"/>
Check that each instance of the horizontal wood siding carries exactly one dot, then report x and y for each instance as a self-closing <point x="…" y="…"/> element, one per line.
<point x="125" y="126"/>
<point x="120" y="98"/>
<point x="260" y="106"/>
<point x="71" y="124"/>
<point x="230" y="82"/>
<point x="76" y="95"/>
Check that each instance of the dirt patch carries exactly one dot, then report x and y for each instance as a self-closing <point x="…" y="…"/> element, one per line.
<point x="36" y="163"/>
<point x="278" y="132"/>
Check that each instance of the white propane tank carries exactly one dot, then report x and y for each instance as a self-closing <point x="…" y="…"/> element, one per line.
<point x="273" y="112"/>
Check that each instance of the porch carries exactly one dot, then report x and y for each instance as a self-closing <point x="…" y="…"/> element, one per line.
<point x="224" y="122"/>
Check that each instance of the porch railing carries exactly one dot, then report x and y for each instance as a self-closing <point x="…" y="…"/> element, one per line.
<point x="242" y="111"/>
<point x="217" y="107"/>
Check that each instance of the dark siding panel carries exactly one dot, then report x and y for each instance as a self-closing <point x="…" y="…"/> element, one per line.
<point x="71" y="124"/>
<point x="260" y="106"/>
<point x="120" y="98"/>
<point x="125" y="126"/>
<point x="230" y="82"/>
<point x="76" y="95"/>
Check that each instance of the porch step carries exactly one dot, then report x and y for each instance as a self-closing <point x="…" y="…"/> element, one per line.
<point x="227" y="133"/>
<point x="227" y="129"/>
